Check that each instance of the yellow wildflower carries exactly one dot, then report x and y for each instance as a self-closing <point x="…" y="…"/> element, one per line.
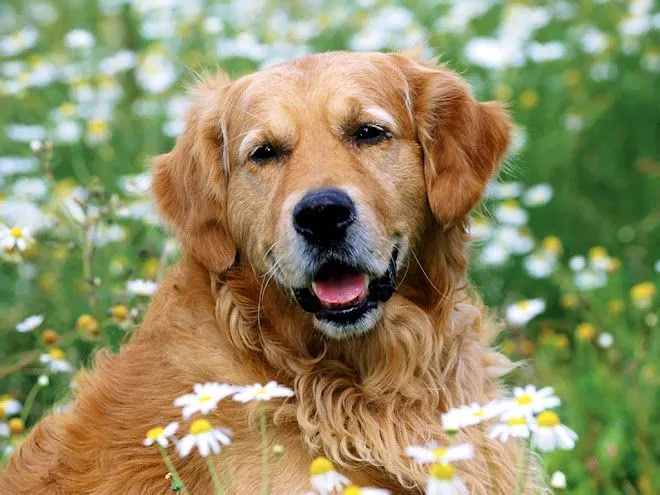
<point x="529" y="99"/>
<point x="643" y="294"/>
<point x="585" y="332"/>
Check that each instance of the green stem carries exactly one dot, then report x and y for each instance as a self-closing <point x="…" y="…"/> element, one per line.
<point x="226" y="471"/>
<point x="171" y="468"/>
<point x="214" y="476"/>
<point x="29" y="401"/>
<point x="522" y="475"/>
<point x="264" y="450"/>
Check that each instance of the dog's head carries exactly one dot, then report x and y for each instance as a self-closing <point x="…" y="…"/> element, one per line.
<point x="324" y="172"/>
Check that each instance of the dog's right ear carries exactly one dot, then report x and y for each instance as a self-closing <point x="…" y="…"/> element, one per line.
<point x="189" y="183"/>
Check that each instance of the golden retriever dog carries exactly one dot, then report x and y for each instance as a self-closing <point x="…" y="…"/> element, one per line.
<point x="322" y="208"/>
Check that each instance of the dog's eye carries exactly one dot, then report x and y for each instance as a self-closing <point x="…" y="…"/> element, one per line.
<point x="371" y="133"/>
<point x="264" y="153"/>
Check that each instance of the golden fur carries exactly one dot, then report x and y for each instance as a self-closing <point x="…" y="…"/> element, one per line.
<point x="360" y="401"/>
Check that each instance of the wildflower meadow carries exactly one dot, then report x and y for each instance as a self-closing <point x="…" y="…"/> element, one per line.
<point x="566" y="243"/>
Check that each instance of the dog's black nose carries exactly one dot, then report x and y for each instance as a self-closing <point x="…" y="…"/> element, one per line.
<point x="322" y="216"/>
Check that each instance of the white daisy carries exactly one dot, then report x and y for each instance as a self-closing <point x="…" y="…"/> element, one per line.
<point x="549" y="434"/>
<point x="141" y="287"/>
<point x="16" y="238"/>
<point x="558" y="480"/>
<point x="261" y="392"/>
<point x="474" y="414"/>
<point x="79" y="39"/>
<point x="479" y="227"/>
<point x="605" y="340"/>
<point x="443" y="480"/>
<point x="590" y="279"/>
<point x="537" y="195"/>
<point x="56" y="361"/>
<point x="540" y="265"/>
<point x="155" y="73"/>
<point x="528" y="401"/>
<point x="599" y="259"/>
<point x="29" y="323"/>
<point x="4" y="430"/>
<point x="19" y="41"/>
<point x="577" y="263"/>
<point x="9" y="406"/>
<point x="520" y="313"/>
<point x="204" y="399"/>
<point x="495" y="254"/>
<point x="205" y="437"/>
<point x="516" y="427"/>
<point x="440" y="455"/>
<point x="97" y="131"/>
<point x="324" y="478"/>
<point x="504" y="190"/>
<point x="160" y="435"/>
<point x="511" y="213"/>
<point x="514" y="240"/>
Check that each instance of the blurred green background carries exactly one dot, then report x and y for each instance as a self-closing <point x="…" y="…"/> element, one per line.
<point x="90" y="89"/>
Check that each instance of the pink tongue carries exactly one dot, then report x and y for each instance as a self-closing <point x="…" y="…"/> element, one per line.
<point x="340" y="290"/>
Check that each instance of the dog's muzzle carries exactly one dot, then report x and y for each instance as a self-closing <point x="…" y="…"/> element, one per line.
<point x="342" y="294"/>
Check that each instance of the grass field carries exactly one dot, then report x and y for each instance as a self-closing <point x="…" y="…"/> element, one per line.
<point x="89" y="90"/>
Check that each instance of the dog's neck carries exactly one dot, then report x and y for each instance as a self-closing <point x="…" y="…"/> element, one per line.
<point x="427" y="353"/>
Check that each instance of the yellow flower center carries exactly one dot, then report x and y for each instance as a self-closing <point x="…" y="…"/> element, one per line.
<point x="510" y="204"/>
<point x="597" y="253"/>
<point x="16" y="232"/>
<point x="120" y="312"/>
<point x="154" y="433"/>
<point x="68" y="109"/>
<point x="643" y="291"/>
<point x="548" y="419"/>
<point x="204" y="398"/>
<point x="87" y="322"/>
<point x="320" y="465"/>
<point x="615" y="264"/>
<point x="200" y="426"/>
<point x="552" y="244"/>
<point x="585" y="331"/>
<point x="16" y="425"/>
<point x="97" y="127"/>
<point x="478" y="413"/>
<point x="442" y="472"/>
<point x="524" y="400"/>
<point x="352" y="490"/>
<point x="439" y="452"/>
<point x="261" y="393"/>
<point x="529" y="99"/>
<point x="523" y="305"/>
<point x="56" y="353"/>
<point x="516" y="422"/>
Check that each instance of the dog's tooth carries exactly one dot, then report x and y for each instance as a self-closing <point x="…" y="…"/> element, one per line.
<point x="366" y="280"/>
<point x="314" y="287"/>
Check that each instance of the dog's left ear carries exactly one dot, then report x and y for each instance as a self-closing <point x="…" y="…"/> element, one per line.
<point x="463" y="140"/>
<point x="189" y="183"/>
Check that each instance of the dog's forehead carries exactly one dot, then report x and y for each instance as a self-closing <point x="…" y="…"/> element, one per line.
<point x="324" y="83"/>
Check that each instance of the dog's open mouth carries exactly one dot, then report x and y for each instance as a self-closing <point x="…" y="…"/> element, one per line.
<point x="342" y="294"/>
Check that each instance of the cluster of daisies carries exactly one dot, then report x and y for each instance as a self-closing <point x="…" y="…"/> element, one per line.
<point x="526" y="416"/>
<point x="202" y="435"/>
